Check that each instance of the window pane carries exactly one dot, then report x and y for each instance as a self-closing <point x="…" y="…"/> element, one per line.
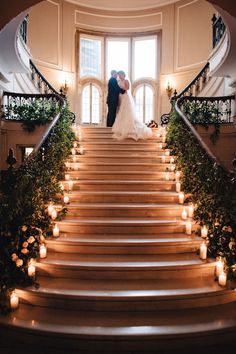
<point x="95" y="105"/>
<point x="86" y="105"/>
<point x="117" y="56"/>
<point x="145" y="58"/>
<point x="90" y="57"/>
<point x="139" y="103"/>
<point x="148" y="104"/>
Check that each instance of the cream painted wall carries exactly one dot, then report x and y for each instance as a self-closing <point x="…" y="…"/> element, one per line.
<point x="184" y="28"/>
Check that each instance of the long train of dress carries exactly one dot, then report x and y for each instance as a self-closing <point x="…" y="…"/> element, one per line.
<point x="127" y="125"/>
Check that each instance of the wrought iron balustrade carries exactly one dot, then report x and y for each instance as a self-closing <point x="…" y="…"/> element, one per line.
<point x="40" y="82"/>
<point x="218" y="30"/>
<point x="207" y="110"/>
<point x="194" y="88"/>
<point x="23" y="31"/>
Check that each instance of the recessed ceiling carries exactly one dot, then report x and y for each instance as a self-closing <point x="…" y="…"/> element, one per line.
<point x="122" y="4"/>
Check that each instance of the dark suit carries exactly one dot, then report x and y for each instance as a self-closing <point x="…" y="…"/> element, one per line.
<point x="112" y="100"/>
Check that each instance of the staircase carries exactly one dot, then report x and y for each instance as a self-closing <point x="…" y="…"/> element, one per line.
<point x="123" y="276"/>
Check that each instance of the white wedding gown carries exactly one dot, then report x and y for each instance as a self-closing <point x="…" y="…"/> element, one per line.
<point x="127" y="125"/>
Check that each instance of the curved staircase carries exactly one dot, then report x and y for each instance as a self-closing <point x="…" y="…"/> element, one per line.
<point x="123" y="276"/>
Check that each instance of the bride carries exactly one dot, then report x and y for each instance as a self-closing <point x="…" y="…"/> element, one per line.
<point x="127" y="125"/>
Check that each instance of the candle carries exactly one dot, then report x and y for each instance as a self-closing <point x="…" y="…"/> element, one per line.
<point x="222" y="280"/>
<point x="167" y="176"/>
<point x="184" y="214"/>
<point x="204" y="231"/>
<point x="75" y="144"/>
<point x="191" y="211"/>
<point x="158" y="135"/>
<point x="172" y="160"/>
<point x="62" y="186"/>
<point x="181" y="198"/>
<point x="54" y="214"/>
<point x="160" y="146"/>
<point x="203" y="251"/>
<point x="42" y="251"/>
<point x="81" y="151"/>
<point x="76" y="167"/>
<point x="177" y="176"/>
<point x="50" y="209"/>
<point x="172" y="168"/>
<point x="70" y="185"/>
<point x="67" y="164"/>
<point x="164" y="139"/>
<point x="219" y="267"/>
<point x="178" y="187"/>
<point x="167" y="153"/>
<point x="14" y="300"/>
<point x="188" y="227"/>
<point x="31" y="269"/>
<point x="55" y="231"/>
<point x="67" y="177"/>
<point x="163" y="159"/>
<point x="73" y="151"/>
<point x="66" y="199"/>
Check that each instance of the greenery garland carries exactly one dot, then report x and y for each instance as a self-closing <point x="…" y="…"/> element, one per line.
<point x="24" y="194"/>
<point x="211" y="190"/>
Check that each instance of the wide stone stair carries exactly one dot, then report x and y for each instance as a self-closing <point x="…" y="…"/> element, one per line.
<point x="123" y="276"/>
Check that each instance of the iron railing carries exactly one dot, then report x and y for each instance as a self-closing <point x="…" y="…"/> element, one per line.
<point x="23" y="31"/>
<point x="218" y="29"/>
<point x="40" y="82"/>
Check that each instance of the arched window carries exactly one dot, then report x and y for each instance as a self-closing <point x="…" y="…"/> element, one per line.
<point x="90" y="104"/>
<point x="144" y="99"/>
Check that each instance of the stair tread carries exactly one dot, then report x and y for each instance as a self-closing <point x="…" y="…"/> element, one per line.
<point x="124" y="205"/>
<point x="121" y="220"/>
<point x="114" y="325"/>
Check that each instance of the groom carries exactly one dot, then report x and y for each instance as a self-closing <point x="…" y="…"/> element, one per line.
<point x="113" y="98"/>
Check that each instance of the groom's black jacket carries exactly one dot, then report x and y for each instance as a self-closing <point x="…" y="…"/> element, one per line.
<point x="112" y="100"/>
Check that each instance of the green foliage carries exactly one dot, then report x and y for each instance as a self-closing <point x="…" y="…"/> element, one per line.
<point x="24" y="221"/>
<point x="32" y="113"/>
<point x="211" y="189"/>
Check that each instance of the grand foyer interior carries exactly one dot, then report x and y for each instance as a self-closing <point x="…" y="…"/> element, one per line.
<point x="124" y="275"/>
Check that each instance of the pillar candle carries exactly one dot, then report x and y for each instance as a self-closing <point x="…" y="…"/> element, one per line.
<point x="67" y="164"/>
<point x="167" y="176"/>
<point x="203" y="251"/>
<point x="42" y="251"/>
<point x="178" y="187"/>
<point x="172" y="160"/>
<point x="54" y="214"/>
<point x="73" y="151"/>
<point x="172" y="168"/>
<point x="56" y="231"/>
<point x="70" y="185"/>
<point x="191" y="211"/>
<point x="75" y="144"/>
<point x="167" y="153"/>
<point x="50" y="209"/>
<point x="67" y="177"/>
<point x="31" y="269"/>
<point x="219" y="267"/>
<point x="181" y="198"/>
<point x="177" y="176"/>
<point x="204" y="231"/>
<point x="163" y="159"/>
<point x="188" y="227"/>
<point x="184" y="214"/>
<point x="74" y="158"/>
<point x="222" y="280"/>
<point x="14" y="300"/>
<point x="81" y="150"/>
<point x="66" y="199"/>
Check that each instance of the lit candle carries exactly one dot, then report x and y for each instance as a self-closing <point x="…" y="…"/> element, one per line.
<point x="184" y="214"/>
<point x="76" y="167"/>
<point x="81" y="150"/>
<point x="67" y="177"/>
<point x="167" y="176"/>
<point x="31" y="269"/>
<point x="14" y="300"/>
<point x="172" y="160"/>
<point x="204" y="231"/>
<point x="160" y="146"/>
<point x="222" y="280"/>
<point x="188" y="227"/>
<point x="67" y="164"/>
<point x="164" y="139"/>
<point x="70" y="185"/>
<point x="50" y="209"/>
<point x="177" y="176"/>
<point x="75" y="144"/>
<point x="73" y="151"/>
<point x="167" y="153"/>
<point x="66" y="199"/>
<point x="172" y="168"/>
<point x="74" y="158"/>
<point x="158" y="135"/>
<point x="54" y="214"/>
<point x="163" y="159"/>
<point x="42" y="251"/>
<point x="178" y="187"/>
<point x="191" y="211"/>
<point x="56" y="231"/>
<point x="219" y="267"/>
<point x="203" y="251"/>
<point x="181" y="198"/>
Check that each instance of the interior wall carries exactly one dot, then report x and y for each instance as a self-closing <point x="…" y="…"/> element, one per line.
<point x="185" y="29"/>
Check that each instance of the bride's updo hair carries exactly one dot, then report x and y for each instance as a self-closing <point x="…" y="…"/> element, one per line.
<point x="121" y="72"/>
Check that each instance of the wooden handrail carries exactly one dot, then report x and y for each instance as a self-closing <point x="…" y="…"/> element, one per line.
<point x="196" y="135"/>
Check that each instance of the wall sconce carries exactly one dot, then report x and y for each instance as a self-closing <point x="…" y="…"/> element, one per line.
<point x="64" y="89"/>
<point x="169" y="90"/>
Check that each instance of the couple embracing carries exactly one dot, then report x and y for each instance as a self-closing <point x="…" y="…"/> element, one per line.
<point x="121" y="110"/>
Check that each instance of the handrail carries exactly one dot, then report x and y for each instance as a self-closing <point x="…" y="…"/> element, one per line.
<point x="197" y="136"/>
<point x="202" y="75"/>
<point x="195" y="81"/>
<point x="41" y="80"/>
<point x="218" y="30"/>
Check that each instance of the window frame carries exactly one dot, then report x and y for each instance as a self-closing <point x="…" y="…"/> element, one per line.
<point x="98" y="87"/>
